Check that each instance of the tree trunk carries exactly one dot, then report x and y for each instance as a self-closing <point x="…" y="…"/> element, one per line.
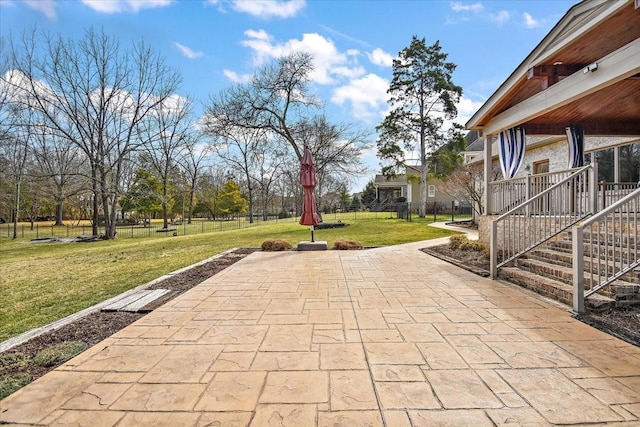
<point x="165" y="213"/>
<point x="16" y="209"/>
<point x="59" y="211"/>
<point x="95" y="217"/>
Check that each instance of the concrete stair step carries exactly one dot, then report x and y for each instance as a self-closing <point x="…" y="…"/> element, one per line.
<point x="551" y="288"/>
<point x="564" y="259"/>
<point x="565" y="246"/>
<point x="619" y="241"/>
<point x="547" y="269"/>
<point x="620" y="290"/>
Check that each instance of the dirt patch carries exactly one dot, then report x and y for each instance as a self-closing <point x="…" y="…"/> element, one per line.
<point x="621" y="322"/>
<point x="97" y="326"/>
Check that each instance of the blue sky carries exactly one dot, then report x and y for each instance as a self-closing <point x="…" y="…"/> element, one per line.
<point x="216" y="42"/>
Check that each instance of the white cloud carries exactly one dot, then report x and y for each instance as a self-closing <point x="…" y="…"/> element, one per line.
<point x="48" y="7"/>
<point x="530" y="21"/>
<point x="367" y="96"/>
<point x="466" y="109"/>
<point x="187" y="52"/>
<point x="380" y="57"/>
<point x="7" y="3"/>
<point x="328" y="62"/>
<point x="463" y="10"/>
<point x="459" y="7"/>
<point x="237" y="78"/>
<point x="119" y="6"/>
<point x="263" y="8"/>
<point x="500" y="17"/>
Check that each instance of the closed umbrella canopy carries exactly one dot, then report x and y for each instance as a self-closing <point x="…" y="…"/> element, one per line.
<point x="308" y="180"/>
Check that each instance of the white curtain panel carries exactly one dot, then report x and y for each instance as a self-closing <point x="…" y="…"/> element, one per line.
<point x="512" y="147"/>
<point x="575" y="139"/>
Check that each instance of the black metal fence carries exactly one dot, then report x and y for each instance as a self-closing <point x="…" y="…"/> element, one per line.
<point x="405" y="211"/>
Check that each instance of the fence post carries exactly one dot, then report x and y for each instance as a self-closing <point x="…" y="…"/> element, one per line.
<point x="578" y="269"/>
<point x="452" y="208"/>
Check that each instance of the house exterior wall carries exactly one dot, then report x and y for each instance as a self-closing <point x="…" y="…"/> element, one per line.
<point x="557" y="153"/>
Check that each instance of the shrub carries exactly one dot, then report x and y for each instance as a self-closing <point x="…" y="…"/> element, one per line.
<point x="59" y="353"/>
<point x="347" y="245"/>
<point x="14" y="382"/>
<point x="462" y="242"/>
<point x="274" y="245"/>
<point x="284" y="214"/>
<point x="12" y="361"/>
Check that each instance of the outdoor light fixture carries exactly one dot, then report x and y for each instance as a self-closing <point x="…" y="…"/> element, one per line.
<point x="590" y="67"/>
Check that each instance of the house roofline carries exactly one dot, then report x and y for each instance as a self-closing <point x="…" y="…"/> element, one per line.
<point x="544" y="49"/>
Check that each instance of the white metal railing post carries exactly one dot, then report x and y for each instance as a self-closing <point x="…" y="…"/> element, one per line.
<point x="577" y="247"/>
<point x="593" y="188"/>
<point x="528" y="189"/>
<point x="493" y="249"/>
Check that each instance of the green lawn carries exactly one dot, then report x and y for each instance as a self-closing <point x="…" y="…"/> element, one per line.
<point x="44" y="282"/>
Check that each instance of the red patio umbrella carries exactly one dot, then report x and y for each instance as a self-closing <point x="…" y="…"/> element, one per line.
<point x="308" y="180"/>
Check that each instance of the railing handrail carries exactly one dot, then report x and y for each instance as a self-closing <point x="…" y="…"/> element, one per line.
<point x="545" y="192"/>
<point x="543" y="174"/>
<point x="617" y="183"/>
<point x="611" y="208"/>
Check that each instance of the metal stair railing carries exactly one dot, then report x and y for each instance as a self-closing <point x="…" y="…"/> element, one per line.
<point x="506" y="194"/>
<point x="612" y="247"/>
<point x="542" y="217"/>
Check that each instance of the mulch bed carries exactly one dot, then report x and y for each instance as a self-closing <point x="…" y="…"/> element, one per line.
<point x="621" y="322"/>
<point x="97" y="326"/>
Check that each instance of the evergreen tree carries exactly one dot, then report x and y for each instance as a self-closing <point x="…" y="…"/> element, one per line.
<point x="368" y="194"/>
<point x="422" y="95"/>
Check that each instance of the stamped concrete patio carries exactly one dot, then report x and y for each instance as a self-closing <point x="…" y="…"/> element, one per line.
<point x="387" y="336"/>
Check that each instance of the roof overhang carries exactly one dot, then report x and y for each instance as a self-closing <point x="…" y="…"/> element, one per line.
<point x="585" y="72"/>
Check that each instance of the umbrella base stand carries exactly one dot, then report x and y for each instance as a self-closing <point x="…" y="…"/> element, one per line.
<point x="319" y="245"/>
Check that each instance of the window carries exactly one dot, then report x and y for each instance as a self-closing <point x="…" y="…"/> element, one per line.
<point x="604" y="158"/>
<point x="630" y="163"/>
<point x="541" y="167"/>
<point x="432" y="191"/>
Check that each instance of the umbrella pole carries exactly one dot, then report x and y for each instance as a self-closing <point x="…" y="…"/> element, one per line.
<point x="311" y="227"/>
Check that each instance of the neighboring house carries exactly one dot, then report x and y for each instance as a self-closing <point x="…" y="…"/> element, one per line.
<point x="405" y="188"/>
<point x="564" y="121"/>
<point x="474" y="149"/>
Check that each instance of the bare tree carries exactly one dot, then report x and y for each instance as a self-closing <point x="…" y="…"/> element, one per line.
<point x="16" y="138"/>
<point x="336" y="149"/>
<point x="237" y="147"/>
<point x="269" y="160"/>
<point x="466" y="182"/>
<point x="193" y="162"/>
<point x="165" y="131"/>
<point x="61" y="164"/>
<point x="94" y="93"/>
<point x="275" y="100"/>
